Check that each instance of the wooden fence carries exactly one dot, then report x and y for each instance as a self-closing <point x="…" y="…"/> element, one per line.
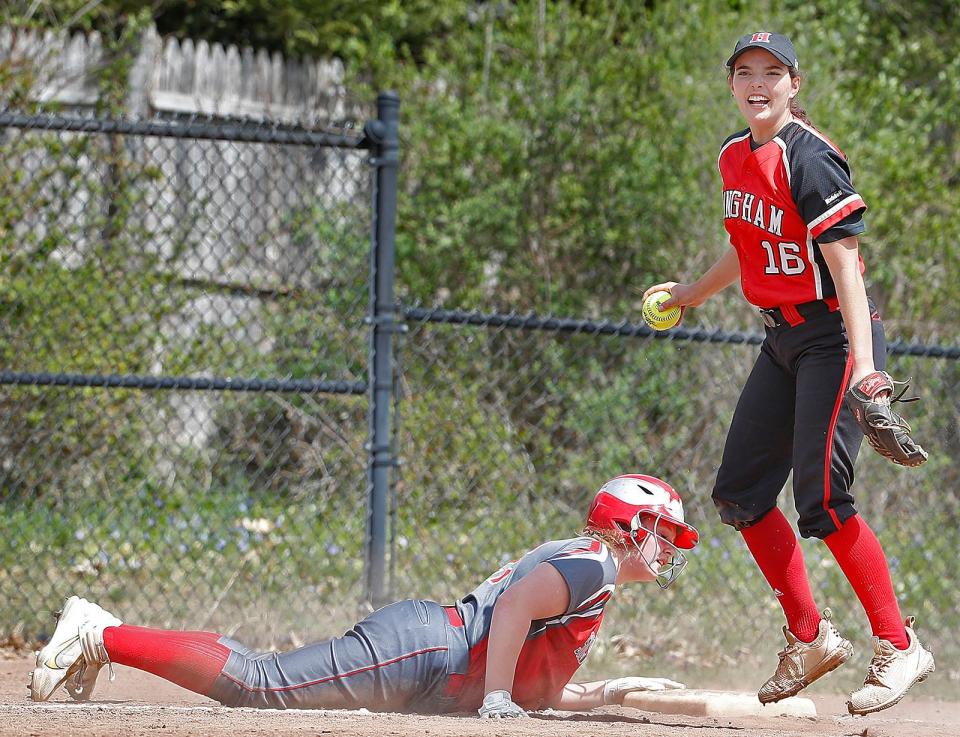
<point x="171" y="75"/>
<point x="228" y="222"/>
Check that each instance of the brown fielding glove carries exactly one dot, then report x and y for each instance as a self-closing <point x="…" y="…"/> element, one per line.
<point x="889" y="434"/>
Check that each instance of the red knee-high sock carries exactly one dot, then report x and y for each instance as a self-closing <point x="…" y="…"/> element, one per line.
<point x="860" y="557"/>
<point x="189" y="659"/>
<point x="775" y="547"/>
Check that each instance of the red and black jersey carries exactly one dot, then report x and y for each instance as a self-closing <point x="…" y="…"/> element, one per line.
<point x="778" y="200"/>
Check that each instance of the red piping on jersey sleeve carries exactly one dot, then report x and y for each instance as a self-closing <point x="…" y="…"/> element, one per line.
<point x="590" y="603"/>
<point x="593" y="547"/>
<point x="817" y="230"/>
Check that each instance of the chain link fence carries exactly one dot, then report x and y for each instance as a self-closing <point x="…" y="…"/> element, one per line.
<point x="211" y="275"/>
<point x="189" y="320"/>
<point x="510" y="423"/>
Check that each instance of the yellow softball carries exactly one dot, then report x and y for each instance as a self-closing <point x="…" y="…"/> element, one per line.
<point x="654" y="317"/>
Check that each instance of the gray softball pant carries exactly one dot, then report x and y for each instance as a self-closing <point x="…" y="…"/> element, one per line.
<point x="397" y="659"/>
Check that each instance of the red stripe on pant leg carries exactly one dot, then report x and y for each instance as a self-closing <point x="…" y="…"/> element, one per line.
<point x="828" y="456"/>
<point x="189" y="659"/>
<point x="335" y="677"/>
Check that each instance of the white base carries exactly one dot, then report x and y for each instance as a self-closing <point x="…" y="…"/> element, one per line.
<point x="702" y="703"/>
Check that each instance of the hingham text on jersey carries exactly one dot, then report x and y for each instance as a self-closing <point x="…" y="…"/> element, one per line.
<point x="749" y="207"/>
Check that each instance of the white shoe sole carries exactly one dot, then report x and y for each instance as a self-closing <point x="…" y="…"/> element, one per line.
<point x="928" y="668"/>
<point x="834" y="660"/>
<point x="43" y="679"/>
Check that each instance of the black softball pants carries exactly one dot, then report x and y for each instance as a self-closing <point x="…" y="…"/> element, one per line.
<point x="791" y="416"/>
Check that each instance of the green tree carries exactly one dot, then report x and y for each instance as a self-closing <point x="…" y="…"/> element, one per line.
<point x="317" y="28"/>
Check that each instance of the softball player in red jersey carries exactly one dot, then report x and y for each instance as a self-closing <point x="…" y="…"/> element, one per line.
<point x="511" y="644"/>
<point x="793" y="217"/>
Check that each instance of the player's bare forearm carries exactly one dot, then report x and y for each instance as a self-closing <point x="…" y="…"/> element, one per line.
<point x="580" y="696"/>
<point x="724" y="272"/>
<point x="508" y="629"/>
<point x="541" y="594"/>
<point x="613" y="691"/>
<point x="843" y="260"/>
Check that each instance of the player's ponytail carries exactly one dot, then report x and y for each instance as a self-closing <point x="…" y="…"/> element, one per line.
<point x="608" y="537"/>
<point x="796" y="109"/>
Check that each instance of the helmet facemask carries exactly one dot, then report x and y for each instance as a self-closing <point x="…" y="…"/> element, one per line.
<point x="618" y="507"/>
<point x="670" y="570"/>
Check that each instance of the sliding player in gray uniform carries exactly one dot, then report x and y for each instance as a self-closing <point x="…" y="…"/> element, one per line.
<point x="510" y="645"/>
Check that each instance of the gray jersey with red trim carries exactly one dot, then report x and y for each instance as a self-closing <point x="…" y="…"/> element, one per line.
<point x="554" y="647"/>
<point x="585" y="564"/>
<point x="402" y="656"/>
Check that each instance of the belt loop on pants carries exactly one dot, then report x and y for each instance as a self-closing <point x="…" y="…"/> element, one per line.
<point x="769" y="317"/>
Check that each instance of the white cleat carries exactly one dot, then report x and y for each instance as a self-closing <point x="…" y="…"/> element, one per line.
<point x="75" y="651"/>
<point x="803" y="663"/>
<point x="891" y="674"/>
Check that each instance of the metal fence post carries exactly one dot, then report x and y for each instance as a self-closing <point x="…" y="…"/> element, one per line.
<point x="382" y="316"/>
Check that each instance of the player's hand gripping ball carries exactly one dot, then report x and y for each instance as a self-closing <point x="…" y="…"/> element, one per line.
<point x="655" y="317"/>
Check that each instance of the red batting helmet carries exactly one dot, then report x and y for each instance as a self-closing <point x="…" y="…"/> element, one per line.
<point x="621" y="503"/>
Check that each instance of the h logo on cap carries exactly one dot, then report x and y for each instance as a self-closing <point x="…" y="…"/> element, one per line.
<point x="761" y="37"/>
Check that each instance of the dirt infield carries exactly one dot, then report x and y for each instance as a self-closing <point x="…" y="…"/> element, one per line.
<point x="141" y="704"/>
